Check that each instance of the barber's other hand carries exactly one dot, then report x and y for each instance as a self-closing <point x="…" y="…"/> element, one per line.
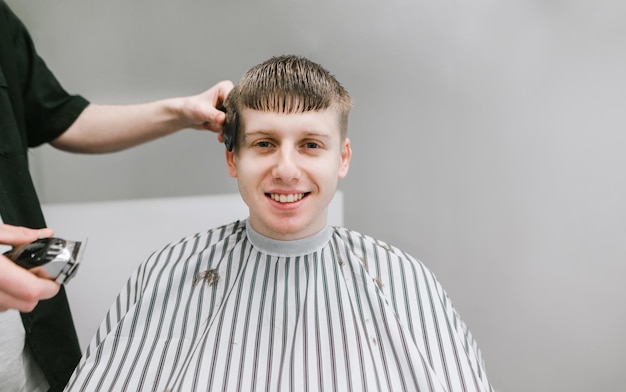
<point x="22" y="289"/>
<point x="200" y="111"/>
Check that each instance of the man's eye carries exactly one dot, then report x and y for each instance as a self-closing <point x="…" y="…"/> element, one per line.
<point x="311" y="145"/>
<point x="263" y="144"/>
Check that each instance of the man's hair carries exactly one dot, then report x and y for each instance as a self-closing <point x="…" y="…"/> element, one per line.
<point x="286" y="84"/>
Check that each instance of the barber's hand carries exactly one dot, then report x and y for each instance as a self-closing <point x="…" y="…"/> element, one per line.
<point x="22" y="289"/>
<point x="200" y="111"/>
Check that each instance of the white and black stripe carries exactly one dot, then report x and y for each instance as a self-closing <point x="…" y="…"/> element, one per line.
<point x="229" y="310"/>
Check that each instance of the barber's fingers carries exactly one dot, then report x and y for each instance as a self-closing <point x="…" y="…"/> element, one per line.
<point x="205" y="109"/>
<point x="17" y="235"/>
<point x="21" y="289"/>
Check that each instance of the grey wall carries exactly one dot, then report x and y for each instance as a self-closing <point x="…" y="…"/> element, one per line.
<point x="488" y="141"/>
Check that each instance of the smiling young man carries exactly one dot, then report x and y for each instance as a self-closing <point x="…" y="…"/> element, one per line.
<point x="287" y="167"/>
<point x="282" y="301"/>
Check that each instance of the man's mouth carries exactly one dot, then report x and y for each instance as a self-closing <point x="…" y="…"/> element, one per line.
<point x="287" y="198"/>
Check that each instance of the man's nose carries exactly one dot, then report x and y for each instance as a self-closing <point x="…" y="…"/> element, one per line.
<point x="286" y="167"/>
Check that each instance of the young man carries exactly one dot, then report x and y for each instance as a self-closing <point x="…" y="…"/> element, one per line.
<point x="282" y="301"/>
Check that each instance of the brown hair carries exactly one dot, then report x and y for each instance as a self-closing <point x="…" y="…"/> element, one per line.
<point x="286" y="84"/>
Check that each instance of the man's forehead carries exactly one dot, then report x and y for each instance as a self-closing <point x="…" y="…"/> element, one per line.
<point x="323" y="122"/>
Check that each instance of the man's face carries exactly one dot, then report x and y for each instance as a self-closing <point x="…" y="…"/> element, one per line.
<point x="287" y="167"/>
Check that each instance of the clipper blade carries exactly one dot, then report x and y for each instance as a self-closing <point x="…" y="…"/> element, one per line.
<point x="76" y="250"/>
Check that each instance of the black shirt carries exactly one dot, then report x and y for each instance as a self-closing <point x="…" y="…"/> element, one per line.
<point x="34" y="109"/>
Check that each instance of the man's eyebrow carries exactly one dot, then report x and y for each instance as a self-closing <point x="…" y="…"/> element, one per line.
<point x="254" y="134"/>
<point x="308" y="133"/>
<point x="258" y="132"/>
<point x="318" y="133"/>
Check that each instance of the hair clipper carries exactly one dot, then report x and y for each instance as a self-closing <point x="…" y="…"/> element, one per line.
<point x="59" y="258"/>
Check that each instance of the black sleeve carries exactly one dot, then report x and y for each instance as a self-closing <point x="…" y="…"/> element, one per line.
<point x="42" y="107"/>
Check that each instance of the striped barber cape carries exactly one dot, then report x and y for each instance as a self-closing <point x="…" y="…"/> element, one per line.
<point x="231" y="310"/>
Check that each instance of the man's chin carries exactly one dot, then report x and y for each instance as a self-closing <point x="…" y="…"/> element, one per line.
<point x="287" y="230"/>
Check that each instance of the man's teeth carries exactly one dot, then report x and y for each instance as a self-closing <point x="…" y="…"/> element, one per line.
<point x="290" y="198"/>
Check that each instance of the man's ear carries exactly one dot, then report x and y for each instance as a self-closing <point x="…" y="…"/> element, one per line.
<point x="230" y="163"/>
<point x="346" y="155"/>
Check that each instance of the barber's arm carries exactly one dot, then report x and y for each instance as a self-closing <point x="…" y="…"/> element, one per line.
<point x="22" y="289"/>
<point x="109" y="128"/>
